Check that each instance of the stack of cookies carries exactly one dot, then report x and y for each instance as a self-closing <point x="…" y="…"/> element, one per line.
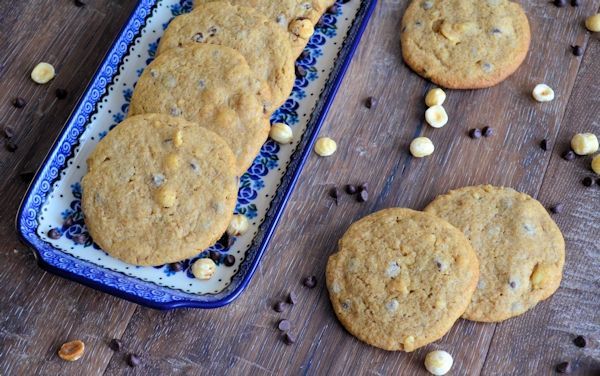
<point x="162" y="186"/>
<point x="402" y="278"/>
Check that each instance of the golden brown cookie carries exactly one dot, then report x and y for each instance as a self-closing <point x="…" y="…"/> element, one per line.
<point x="401" y="278"/>
<point x="297" y="17"/>
<point x="159" y="190"/>
<point x="210" y="85"/>
<point x="463" y="44"/>
<point x="262" y="42"/>
<point x="520" y="248"/>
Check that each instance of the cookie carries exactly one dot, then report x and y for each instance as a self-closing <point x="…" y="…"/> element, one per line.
<point x="521" y="250"/>
<point x="263" y="43"/>
<point x="461" y="44"/>
<point x="401" y="278"/>
<point x="297" y="17"/>
<point x="158" y="190"/>
<point x="210" y="85"/>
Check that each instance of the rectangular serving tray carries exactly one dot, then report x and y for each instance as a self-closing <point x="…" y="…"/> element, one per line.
<point x="55" y="193"/>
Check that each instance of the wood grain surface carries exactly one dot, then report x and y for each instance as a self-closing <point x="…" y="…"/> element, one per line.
<point x="39" y="311"/>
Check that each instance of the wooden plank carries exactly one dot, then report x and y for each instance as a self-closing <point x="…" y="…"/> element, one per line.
<point x="539" y="340"/>
<point x="38" y="311"/>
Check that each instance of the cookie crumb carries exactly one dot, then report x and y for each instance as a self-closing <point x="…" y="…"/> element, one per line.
<point x="71" y="351"/>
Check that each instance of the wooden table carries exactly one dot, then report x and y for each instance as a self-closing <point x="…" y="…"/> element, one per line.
<point x="39" y="311"/>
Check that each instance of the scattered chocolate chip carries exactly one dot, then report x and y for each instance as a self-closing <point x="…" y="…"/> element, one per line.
<point x="68" y="221"/>
<point x="351" y="189"/>
<point x="300" y="71"/>
<point x="557" y="209"/>
<point x="115" y="345"/>
<point x="54" y="234"/>
<point x="560" y="3"/>
<point x="487" y="131"/>
<point x="310" y="282"/>
<point x="229" y="260"/>
<point x="563" y="367"/>
<point x="80" y="238"/>
<point x="363" y="196"/>
<point x="579" y="341"/>
<point x="544" y="145"/>
<point x="176" y="266"/>
<point x="289" y="338"/>
<point x="577" y="50"/>
<point x="284" y="325"/>
<point x="27" y="176"/>
<point x="304" y="54"/>
<point x="568" y="155"/>
<point x="8" y="131"/>
<point x="79" y="3"/>
<point x="215" y="256"/>
<point x="475" y="133"/>
<point x="334" y="193"/>
<point x="363" y="187"/>
<point x="292" y="298"/>
<point x="11" y="146"/>
<point x="575" y="3"/>
<point x="332" y="9"/>
<point x="279" y="307"/>
<point x="61" y="93"/>
<point x="370" y="103"/>
<point x="19" y="102"/>
<point x="226" y="241"/>
<point x="133" y="360"/>
<point x="587" y="181"/>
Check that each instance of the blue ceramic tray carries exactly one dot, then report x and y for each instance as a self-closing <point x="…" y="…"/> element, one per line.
<point x="55" y="193"/>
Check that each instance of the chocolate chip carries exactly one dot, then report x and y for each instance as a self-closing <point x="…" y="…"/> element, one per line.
<point x="11" y="146"/>
<point x="475" y="133"/>
<point x="54" y="234"/>
<point x="19" y="102"/>
<point x="79" y="3"/>
<point x="300" y="71"/>
<point x="563" y="367"/>
<point x="279" y="307"/>
<point x="363" y="196"/>
<point x="363" y="187"/>
<point x="557" y="209"/>
<point x="575" y="3"/>
<point x="579" y="341"/>
<point x="351" y="189"/>
<point x="176" y="266"/>
<point x="226" y="241"/>
<point x="289" y="338"/>
<point x="133" y="360"/>
<point x="305" y="54"/>
<point x="487" y="131"/>
<point x="560" y="3"/>
<point x="80" y="239"/>
<point x="229" y="260"/>
<point x="544" y="145"/>
<point x="68" y="221"/>
<point x="8" y="131"/>
<point x="292" y="298"/>
<point x="61" y="93"/>
<point x="587" y="181"/>
<point x="284" y="325"/>
<point x="568" y="155"/>
<point x="577" y="50"/>
<point x="598" y="181"/>
<point x="115" y="345"/>
<point x="370" y="103"/>
<point x="334" y="193"/>
<point x="332" y="9"/>
<point x="310" y="282"/>
<point x="27" y="176"/>
<point x="215" y="256"/>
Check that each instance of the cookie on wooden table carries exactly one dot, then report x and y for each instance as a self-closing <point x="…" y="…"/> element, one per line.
<point x="158" y="190"/>
<point x="401" y="278"/>
<point x="262" y="42"/>
<point x="465" y="44"/>
<point x="521" y="250"/>
<point x="297" y="17"/>
<point x="213" y="86"/>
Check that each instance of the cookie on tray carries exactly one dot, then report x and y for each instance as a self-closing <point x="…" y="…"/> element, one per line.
<point x="401" y="278"/>
<point x="462" y="44"/>
<point x="262" y="42"/>
<point x="210" y="85"/>
<point x="297" y="17"/>
<point x="521" y="250"/>
<point x="158" y="190"/>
